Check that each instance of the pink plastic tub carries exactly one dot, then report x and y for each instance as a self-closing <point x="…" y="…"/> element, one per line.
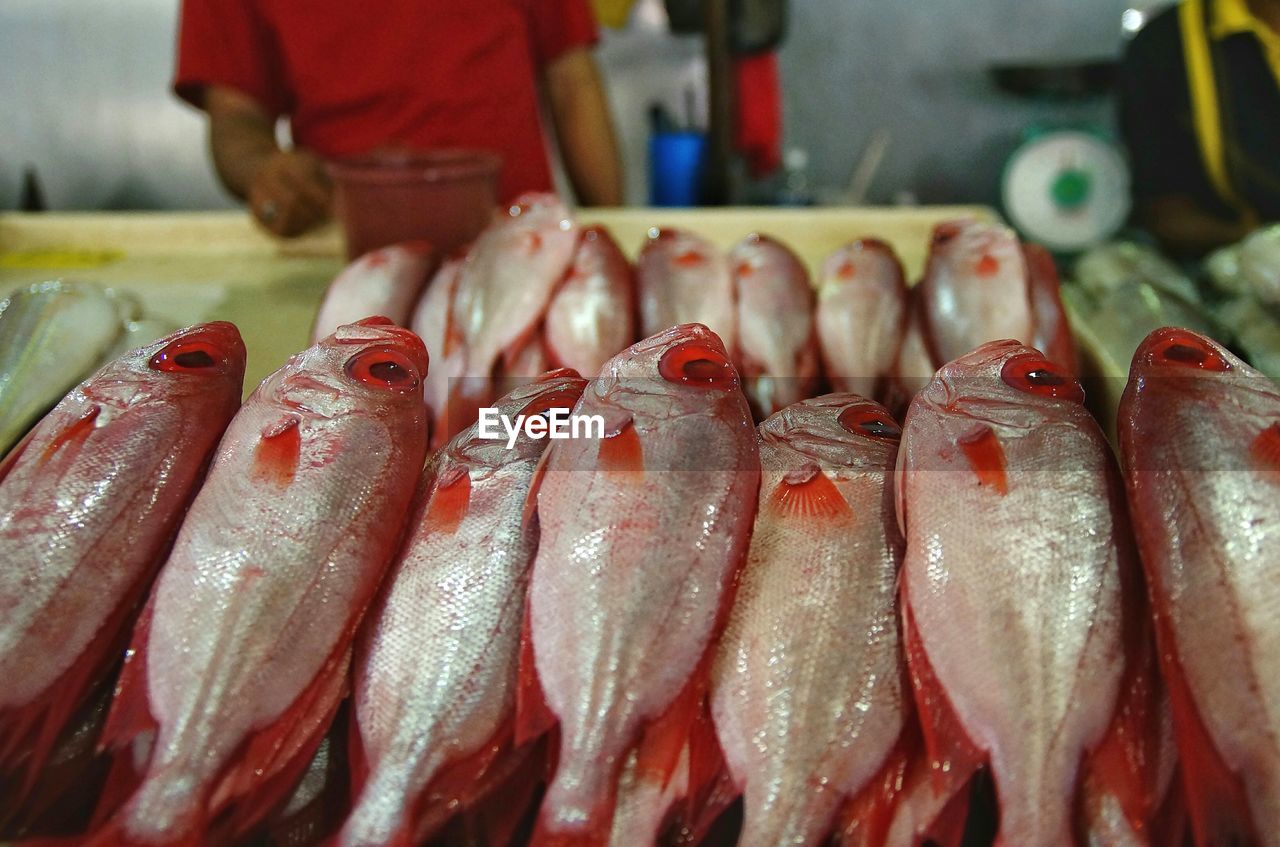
<point x="443" y="196"/>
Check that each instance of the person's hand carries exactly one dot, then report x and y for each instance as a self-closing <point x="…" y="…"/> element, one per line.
<point x="290" y="193"/>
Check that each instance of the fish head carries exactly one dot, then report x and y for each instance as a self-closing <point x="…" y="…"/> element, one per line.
<point x="368" y="367"/>
<point x="539" y="210"/>
<point x="837" y="430"/>
<point x="681" y="371"/>
<point x="867" y="261"/>
<point x="679" y="249"/>
<point x="557" y="389"/>
<point x="757" y="253"/>
<point x="187" y="362"/>
<point x="972" y="249"/>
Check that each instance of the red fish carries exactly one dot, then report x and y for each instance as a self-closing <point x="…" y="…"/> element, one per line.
<point x="862" y="315"/>
<point x="808" y="715"/>
<point x="642" y="534"/>
<point x="592" y="316"/>
<point x="1200" y="440"/>
<point x="431" y="323"/>
<point x="504" y="288"/>
<point x="1020" y="596"/>
<point x="240" y="658"/>
<point x="683" y="278"/>
<point x="385" y="282"/>
<point x="1052" y="333"/>
<point x="88" y="504"/>
<point x="435" y="679"/>
<point x="777" y="344"/>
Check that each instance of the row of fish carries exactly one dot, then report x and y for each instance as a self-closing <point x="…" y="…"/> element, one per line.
<point x="836" y="618"/>
<point x="54" y="334"/>
<point x="538" y="291"/>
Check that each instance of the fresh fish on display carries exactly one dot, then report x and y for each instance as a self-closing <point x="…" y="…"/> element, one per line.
<point x="1200" y="442"/>
<point x="1020" y="596"/>
<point x="777" y="348"/>
<point x="683" y="278"/>
<point x="52" y="335"/>
<point x="808" y="715"/>
<point x="431" y="323"/>
<point x="862" y="318"/>
<point x="435" y="667"/>
<point x="89" y="503"/>
<point x="642" y="534"/>
<point x="241" y="654"/>
<point x="384" y="282"/>
<point x="503" y="291"/>
<point x="592" y="315"/>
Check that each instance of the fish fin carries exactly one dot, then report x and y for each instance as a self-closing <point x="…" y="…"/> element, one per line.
<point x="1172" y="824"/>
<point x="1216" y="802"/>
<point x="275" y="757"/>
<point x="511" y="804"/>
<point x="276" y="457"/>
<point x="982" y="448"/>
<point x="658" y="752"/>
<point x="533" y="716"/>
<point x="953" y="757"/>
<point x="1265" y="449"/>
<point x="706" y="767"/>
<point x="622" y="455"/>
<point x="43" y="721"/>
<point x="706" y="807"/>
<point x="864" y="820"/>
<point x="449" y="501"/>
<point x="814" y="499"/>
<point x="72" y="435"/>
<point x="492" y="789"/>
<point x="530" y="510"/>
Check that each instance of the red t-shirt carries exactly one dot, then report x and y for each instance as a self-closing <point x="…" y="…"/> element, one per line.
<point x="355" y="76"/>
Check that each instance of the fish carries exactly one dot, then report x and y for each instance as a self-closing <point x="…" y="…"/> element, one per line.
<point x="241" y="654"/>
<point x="683" y="278"/>
<point x="430" y="322"/>
<point x="386" y="282"/>
<point x="504" y="289"/>
<point x="975" y="289"/>
<point x="1019" y="586"/>
<point x="777" y="350"/>
<point x="52" y="335"/>
<point x="88" y="505"/>
<point x="1052" y="334"/>
<point x="914" y="366"/>
<point x="436" y="665"/>
<point x="807" y="716"/>
<point x="861" y="316"/>
<point x="1200" y="445"/>
<point x="642" y="533"/>
<point x="592" y="315"/>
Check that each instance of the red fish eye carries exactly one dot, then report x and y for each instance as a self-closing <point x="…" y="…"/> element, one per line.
<point x="549" y="401"/>
<point x="185" y="355"/>
<point x="1186" y="350"/>
<point x="383" y="367"/>
<point x="861" y="420"/>
<point x="1035" y="374"/>
<point x="694" y="363"/>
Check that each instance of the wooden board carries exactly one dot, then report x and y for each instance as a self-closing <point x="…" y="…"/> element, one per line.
<point x="199" y="266"/>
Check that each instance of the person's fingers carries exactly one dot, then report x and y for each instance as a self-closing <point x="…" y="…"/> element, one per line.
<point x="309" y="190"/>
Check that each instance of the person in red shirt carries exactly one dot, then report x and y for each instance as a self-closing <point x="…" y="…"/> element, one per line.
<point x="355" y="77"/>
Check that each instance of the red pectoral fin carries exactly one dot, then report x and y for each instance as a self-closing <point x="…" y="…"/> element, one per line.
<point x="982" y="448"/>
<point x="1265" y="449"/>
<point x="622" y="455"/>
<point x="73" y="435"/>
<point x="449" y="501"/>
<point x="275" y="459"/>
<point x="809" y="496"/>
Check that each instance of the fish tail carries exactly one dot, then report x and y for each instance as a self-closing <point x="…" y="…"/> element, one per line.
<point x="865" y="817"/>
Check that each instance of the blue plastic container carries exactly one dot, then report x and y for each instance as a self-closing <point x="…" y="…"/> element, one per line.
<point x="677" y="162"/>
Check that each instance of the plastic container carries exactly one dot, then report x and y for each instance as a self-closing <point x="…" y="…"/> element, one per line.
<point x="443" y="196"/>
<point x="677" y="166"/>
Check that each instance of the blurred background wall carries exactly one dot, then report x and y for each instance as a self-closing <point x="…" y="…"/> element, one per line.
<point x="85" y="100"/>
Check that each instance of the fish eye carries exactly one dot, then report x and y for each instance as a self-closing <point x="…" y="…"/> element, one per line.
<point x="385" y="368"/>
<point x="696" y="364"/>
<point x="1186" y="350"/>
<point x="545" y="404"/>
<point x="185" y="354"/>
<point x="1032" y="373"/>
<point x="868" y="420"/>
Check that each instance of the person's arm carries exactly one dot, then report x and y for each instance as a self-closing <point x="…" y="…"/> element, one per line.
<point x="288" y="191"/>
<point x="1184" y="229"/>
<point x="583" y="127"/>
